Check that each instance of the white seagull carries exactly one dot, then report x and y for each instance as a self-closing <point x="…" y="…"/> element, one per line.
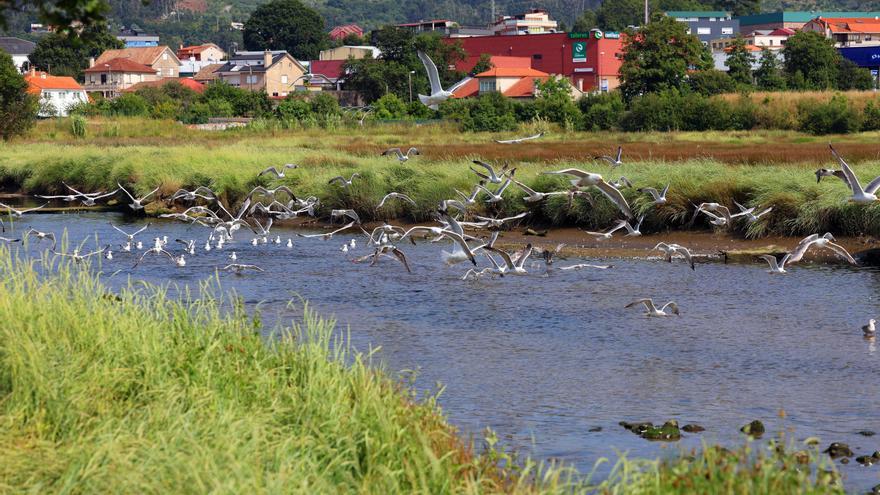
<point x="492" y="176"/>
<point x="859" y="195"/>
<point x="585" y="179"/>
<point x="777" y="267"/>
<point x="604" y="236"/>
<point x="438" y="94"/>
<point x="18" y="213"/>
<point x="535" y="196"/>
<point x="345" y="183"/>
<point x="825" y="241"/>
<point x="396" y="195"/>
<point x="652" y="310"/>
<point x="670" y="250"/>
<point x="400" y="154"/>
<point x="279" y="174"/>
<point x="659" y="197"/>
<point x="614" y="161"/>
<point x="519" y="140"/>
<point x="136" y="203"/>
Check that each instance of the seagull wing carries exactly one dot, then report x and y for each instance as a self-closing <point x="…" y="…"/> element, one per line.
<point x="126" y="192"/>
<point x="402" y="258"/>
<point x="568" y="171"/>
<point x="433" y="75"/>
<point x="837" y="248"/>
<point x="850" y="176"/>
<point x="459" y="84"/>
<point x="615" y="196"/>
<point x="872" y="186"/>
<point x="526" y="189"/>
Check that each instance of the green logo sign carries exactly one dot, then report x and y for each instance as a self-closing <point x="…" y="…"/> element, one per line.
<point x="579" y="51"/>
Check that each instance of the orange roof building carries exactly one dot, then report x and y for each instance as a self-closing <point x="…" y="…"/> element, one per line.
<point x="57" y="93"/>
<point x="112" y="77"/>
<point x="513" y="77"/>
<point x="847" y="31"/>
<point x="202" y="53"/>
<point x="163" y="61"/>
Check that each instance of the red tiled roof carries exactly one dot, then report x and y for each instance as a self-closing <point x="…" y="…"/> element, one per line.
<point x="512" y="72"/>
<point x="145" y="55"/>
<point x="848" y="25"/>
<point x="208" y="72"/>
<point x="120" y="65"/>
<point x="339" y="32"/>
<point x="468" y="89"/>
<point x="523" y="88"/>
<point x="330" y="68"/>
<point x="38" y="81"/>
<point x="782" y="32"/>
<point x="185" y="82"/>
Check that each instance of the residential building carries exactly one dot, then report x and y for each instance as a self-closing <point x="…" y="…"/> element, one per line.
<point x="135" y="38"/>
<point x="158" y="83"/>
<point x="774" y="40"/>
<point x="57" y="94"/>
<point x="513" y="77"/>
<point x="707" y="25"/>
<point x="161" y="59"/>
<point x="326" y="74"/>
<point x="208" y="73"/>
<point x="346" y="52"/>
<point x="208" y="52"/>
<point x="275" y="72"/>
<point x="442" y="26"/>
<point x="847" y="31"/>
<point x="339" y="33"/>
<point x="535" y="21"/>
<point x="793" y="20"/>
<point x="113" y="76"/>
<point x="19" y="49"/>
<point x="590" y="61"/>
<point x="459" y="31"/>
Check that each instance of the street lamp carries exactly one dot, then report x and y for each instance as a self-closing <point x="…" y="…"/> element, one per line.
<point x="409" y="76"/>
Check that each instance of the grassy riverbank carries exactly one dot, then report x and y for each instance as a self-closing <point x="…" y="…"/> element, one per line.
<point x="760" y="168"/>
<point x="131" y="392"/>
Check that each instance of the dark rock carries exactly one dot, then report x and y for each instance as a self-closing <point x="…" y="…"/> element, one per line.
<point x="692" y="428"/>
<point x="637" y="428"/>
<point x="866" y="460"/>
<point x="875" y="489"/>
<point x="595" y="429"/>
<point x="866" y="433"/>
<point x="539" y="233"/>
<point x="669" y="432"/>
<point x="754" y="429"/>
<point x="844" y="461"/>
<point x="876" y="455"/>
<point x="838" y="449"/>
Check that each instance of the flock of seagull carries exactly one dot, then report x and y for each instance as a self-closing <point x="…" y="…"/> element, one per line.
<point x="472" y="237"/>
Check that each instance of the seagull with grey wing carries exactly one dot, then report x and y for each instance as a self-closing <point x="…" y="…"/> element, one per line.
<point x="438" y="94"/>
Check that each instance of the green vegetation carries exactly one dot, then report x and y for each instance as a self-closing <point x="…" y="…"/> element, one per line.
<point x="18" y="108"/>
<point x="135" y="392"/>
<point x="286" y="25"/>
<point x="67" y="54"/>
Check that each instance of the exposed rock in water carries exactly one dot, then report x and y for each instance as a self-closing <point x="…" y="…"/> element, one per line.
<point x="637" y="428"/>
<point x="869" y="257"/>
<point x="595" y="429"/>
<point x="693" y="428"/>
<point x="754" y="429"/>
<point x="866" y="433"/>
<point x="668" y="432"/>
<point x="866" y="460"/>
<point x="837" y="449"/>
<point x="844" y="461"/>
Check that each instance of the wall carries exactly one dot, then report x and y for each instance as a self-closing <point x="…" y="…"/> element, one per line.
<point x="343" y="53"/>
<point x="275" y="76"/>
<point x="168" y="65"/>
<point x="715" y="28"/>
<point x="62" y="99"/>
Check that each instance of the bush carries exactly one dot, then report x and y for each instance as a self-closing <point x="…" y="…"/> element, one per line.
<point x="654" y="112"/>
<point x="711" y="82"/>
<point x="850" y="76"/>
<point x="492" y="112"/>
<point x="602" y="111"/>
<point x="743" y="114"/>
<point x="871" y="117"/>
<point x="836" y="116"/>
<point x="78" y="126"/>
<point x="129" y="105"/>
<point x="294" y="108"/>
<point x="699" y="113"/>
<point x="390" y="107"/>
<point x="553" y="102"/>
<point x="324" y="105"/>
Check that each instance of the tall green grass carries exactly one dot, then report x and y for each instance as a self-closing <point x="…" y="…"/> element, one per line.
<point x="133" y="392"/>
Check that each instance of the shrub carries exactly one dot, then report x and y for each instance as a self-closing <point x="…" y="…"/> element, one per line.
<point x="294" y="108"/>
<point x="602" y="111"/>
<point x="850" y="76"/>
<point x="78" y="126"/>
<point x="324" y="105"/>
<point x="836" y="116"/>
<point x="390" y="107"/>
<point x="654" y="112"/>
<point x="492" y="112"/>
<point x="711" y="82"/>
<point x="699" y="113"/>
<point x="743" y="114"/>
<point x="129" y="105"/>
<point x="871" y="116"/>
<point x="553" y="102"/>
<point x="416" y="110"/>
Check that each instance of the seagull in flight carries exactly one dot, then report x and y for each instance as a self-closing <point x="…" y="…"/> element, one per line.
<point x="497" y="223"/>
<point x="614" y="161"/>
<point x="621" y="183"/>
<point x="749" y="213"/>
<point x="670" y="250"/>
<point x="512" y="264"/>
<point x="79" y="258"/>
<point x="492" y="176"/>
<point x="438" y="94"/>
<point x="659" y="197"/>
<point x="585" y="179"/>
<point x="825" y="241"/>
<point x="604" y="236"/>
<point x="495" y="197"/>
<point x="131" y="236"/>
<point x="199" y="192"/>
<point x="334" y="214"/>
<point x="89" y="199"/>
<point x="136" y="203"/>
<point x="860" y="195"/>
<point x="776" y="266"/>
<point x="535" y="196"/>
<point x="400" y="155"/>
<point x="279" y="174"/>
<point x="238" y="268"/>
<point x="652" y="310"/>
<point x="345" y="183"/>
<point x="18" y="213"/>
<point x="329" y="235"/>
<point x="41" y="235"/>
<point x="520" y="140"/>
<point x="396" y="195"/>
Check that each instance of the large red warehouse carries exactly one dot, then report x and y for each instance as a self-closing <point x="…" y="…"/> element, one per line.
<point x="590" y="60"/>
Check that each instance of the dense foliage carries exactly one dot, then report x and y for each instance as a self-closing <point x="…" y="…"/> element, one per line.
<point x="68" y="54"/>
<point x="18" y="108"/>
<point x="286" y="25"/>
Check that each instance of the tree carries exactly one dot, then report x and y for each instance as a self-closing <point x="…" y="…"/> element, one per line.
<point x="811" y="61"/>
<point x="67" y="54"/>
<point x="482" y="65"/>
<point x="616" y="15"/>
<point x="18" y="108"/>
<point x="851" y="76"/>
<point x="657" y="57"/>
<point x="739" y="7"/>
<point x="768" y="75"/>
<point x="59" y="13"/>
<point x="711" y="82"/>
<point x="286" y="25"/>
<point x="739" y="61"/>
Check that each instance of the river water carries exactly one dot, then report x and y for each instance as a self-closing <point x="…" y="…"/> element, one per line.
<point x="543" y="360"/>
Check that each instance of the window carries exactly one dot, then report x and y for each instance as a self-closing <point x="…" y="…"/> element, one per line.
<point x="711" y="19"/>
<point x="165" y="56"/>
<point x="704" y="30"/>
<point x="284" y="79"/>
<point x="487" y="86"/>
<point x="727" y="30"/>
<point x="538" y="56"/>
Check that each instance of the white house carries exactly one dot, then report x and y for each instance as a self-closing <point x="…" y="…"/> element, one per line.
<point x="19" y="49"/>
<point x="57" y="94"/>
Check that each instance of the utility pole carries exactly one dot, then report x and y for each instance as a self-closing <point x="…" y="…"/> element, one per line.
<point x="646" y="12"/>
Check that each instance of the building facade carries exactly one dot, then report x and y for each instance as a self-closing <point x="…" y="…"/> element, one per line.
<point x="112" y="77"/>
<point x="161" y="59"/>
<point x="19" y="49"/>
<point x="793" y="19"/>
<point x="275" y="72"/>
<point x="135" y="38"/>
<point x="591" y="61"/>
<point x="535" y="21"/>
<point x="707" y="25"/>
<point x="208" y="52"/>
<point x="847" y="32"/>
<point x="57" y="94"/>
<point x="346" y="52"/>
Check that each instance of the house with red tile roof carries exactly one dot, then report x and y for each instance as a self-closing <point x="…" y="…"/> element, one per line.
<point x="206" y="52"/>
<point x="57" y="93"/>
<point x="847" y="31"/>
<point x="113" y="76"/>
<point x="340" y="32"/>
<point x="513" y="77"/>
<point x="161" y="59"/>
<point x="328" y="74"/>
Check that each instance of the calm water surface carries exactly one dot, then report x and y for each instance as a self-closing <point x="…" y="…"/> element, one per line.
<point x="542" y="360"/>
